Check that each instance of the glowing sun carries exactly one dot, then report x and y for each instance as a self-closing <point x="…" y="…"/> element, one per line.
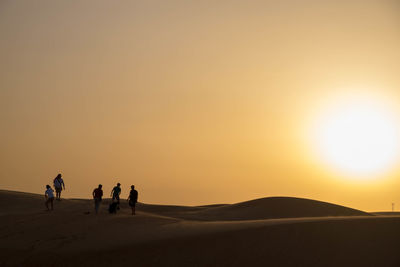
<point x="358" y="137"/>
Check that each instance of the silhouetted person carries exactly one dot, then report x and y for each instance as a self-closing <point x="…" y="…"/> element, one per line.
<point x="97" y="195"/>
<point x="58" y="186"/>
<point x="115" y="194"/>
<point x="49" y="195"/>
<point x="132" y="199"/>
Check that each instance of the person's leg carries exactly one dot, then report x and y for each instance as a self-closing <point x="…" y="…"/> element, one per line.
<point x="46" y="203"/>
<point x="58" y="193"/>
<point x="96" y="205"/>
<point x="51" y="202"/>
<point x="133" y="210"/>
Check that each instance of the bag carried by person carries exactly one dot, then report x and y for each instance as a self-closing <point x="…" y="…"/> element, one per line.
<point x="113" y="207"/>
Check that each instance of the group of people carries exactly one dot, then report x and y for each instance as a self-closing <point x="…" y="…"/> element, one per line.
<point x="49" y="193"/>
<point x="115" y="193"/>
<point x="97" y="196"/>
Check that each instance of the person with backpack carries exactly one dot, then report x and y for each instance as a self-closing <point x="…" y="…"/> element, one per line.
<point x="49" y="196"/>
<point x="132" y="199"/>
<point x="115" y="192"/>
<point x="58" y="186"/>
<point x="97" y="195"/>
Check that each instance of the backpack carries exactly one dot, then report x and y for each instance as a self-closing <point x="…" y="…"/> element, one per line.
<point x="113" y="207"/>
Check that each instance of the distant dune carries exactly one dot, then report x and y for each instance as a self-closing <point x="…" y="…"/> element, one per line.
<point x="264" y="208"/>
<point x="277" y="231"/>
<point x="385" y="213"/>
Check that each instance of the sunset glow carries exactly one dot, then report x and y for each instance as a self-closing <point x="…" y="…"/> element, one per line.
<point x="202" y="102"/>
<point x="359" y="137"/>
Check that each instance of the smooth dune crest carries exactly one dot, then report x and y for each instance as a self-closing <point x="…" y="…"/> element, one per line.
<point x="263" y="208"/>
<point x="252" y="233"/>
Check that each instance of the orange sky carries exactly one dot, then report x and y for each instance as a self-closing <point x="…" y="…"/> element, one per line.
<point x="194" y="102"/>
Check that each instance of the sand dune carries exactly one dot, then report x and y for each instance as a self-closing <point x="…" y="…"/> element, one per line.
<point x="265" y="208"/>
<point x="253" y="233"/>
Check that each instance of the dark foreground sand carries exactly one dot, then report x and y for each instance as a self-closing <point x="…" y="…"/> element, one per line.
<point x="264" y="232"/>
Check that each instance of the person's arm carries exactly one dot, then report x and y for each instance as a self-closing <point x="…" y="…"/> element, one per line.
<point x="93" y="193"/>
<point x="45" y="195"/>
<point x="112" y="192"/>
<point x="63" y="184"/>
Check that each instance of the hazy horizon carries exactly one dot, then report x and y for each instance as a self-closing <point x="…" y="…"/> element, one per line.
<point x="193" y="102"/>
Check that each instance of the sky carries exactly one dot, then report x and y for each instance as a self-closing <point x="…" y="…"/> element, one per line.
<point x="193" y="102"/>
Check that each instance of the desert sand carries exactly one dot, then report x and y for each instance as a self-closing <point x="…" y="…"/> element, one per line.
<point x="277" y="231"/>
